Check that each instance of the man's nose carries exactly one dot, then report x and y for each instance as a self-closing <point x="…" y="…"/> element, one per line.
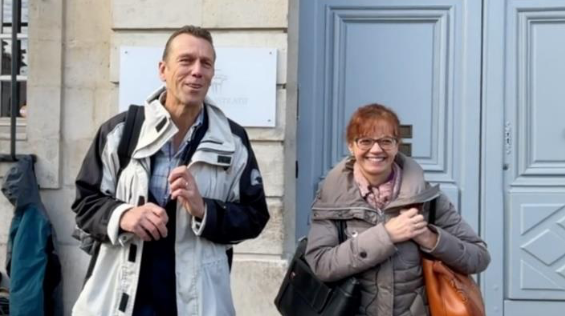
<point x="197" y="69"/>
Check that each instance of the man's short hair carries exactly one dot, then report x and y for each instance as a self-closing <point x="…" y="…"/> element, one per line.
<point x="195" y="31"/>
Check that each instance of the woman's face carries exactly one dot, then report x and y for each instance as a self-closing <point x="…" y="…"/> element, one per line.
<point x="375" y="152"/>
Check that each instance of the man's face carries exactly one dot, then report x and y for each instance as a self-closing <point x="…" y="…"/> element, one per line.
<point x="188" y="70"/>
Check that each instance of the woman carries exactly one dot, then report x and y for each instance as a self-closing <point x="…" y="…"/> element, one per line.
<point x="380" y="193"/>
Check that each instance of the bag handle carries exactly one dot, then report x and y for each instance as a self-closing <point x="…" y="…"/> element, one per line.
<point x="432" y="212"/>
<point x="341" y="227"/>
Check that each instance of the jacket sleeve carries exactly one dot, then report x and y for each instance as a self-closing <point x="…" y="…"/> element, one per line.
<point x="230" y="222"/>
<point x="331" y="261"/>
<point x="458" y="245"/>
<point x="95" y="188"/>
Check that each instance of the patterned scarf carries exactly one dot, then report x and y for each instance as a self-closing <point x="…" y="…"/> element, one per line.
<point x="379" y="196"/>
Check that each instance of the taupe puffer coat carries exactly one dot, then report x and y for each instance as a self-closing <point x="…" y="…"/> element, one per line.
<point x="391" y="274"/>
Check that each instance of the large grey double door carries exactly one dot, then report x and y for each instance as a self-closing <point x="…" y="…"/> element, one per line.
<point x="482" y="84"/>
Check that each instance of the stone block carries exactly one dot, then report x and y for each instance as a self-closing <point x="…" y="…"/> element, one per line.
<point x="43" y="132"/>
<point x="255" y="283"/>
<point x="6" y="214"/>
<point x="74" y="263"/>
<point x="45" y="69"/>
<point x="270" y="241"/>
<point x="245" y="14"/>
<point x="47" y="166"/>
<point x="86" y="64"/>
<point x="78" y="114"/>
<point x="271" y="159"/>
<point x="5" y="283"/>
<point x="58" y="206"/>
<point x="47" y="20"/>
<point x="88" y="20"/>
<point x="105" y="104"/>
<point x="44" y="116"/>
<point x="155" y="14"/>
<point x="73" y="155"/>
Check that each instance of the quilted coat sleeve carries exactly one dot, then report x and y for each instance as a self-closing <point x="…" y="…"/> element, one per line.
<point x="332" y="261"/>
<point x="458" y="244"/>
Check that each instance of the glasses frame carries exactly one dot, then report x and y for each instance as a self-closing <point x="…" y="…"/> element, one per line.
<point x="379" y="141"/>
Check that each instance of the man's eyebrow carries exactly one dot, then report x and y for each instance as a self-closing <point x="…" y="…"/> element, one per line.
<point x="185" y="55"/>
<point x="193" y="56"/>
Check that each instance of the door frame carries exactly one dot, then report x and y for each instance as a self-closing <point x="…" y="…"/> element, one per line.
<point x="492" y="208"/>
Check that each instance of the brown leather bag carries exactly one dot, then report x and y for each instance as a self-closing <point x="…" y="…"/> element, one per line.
<point x="450" y="293"/>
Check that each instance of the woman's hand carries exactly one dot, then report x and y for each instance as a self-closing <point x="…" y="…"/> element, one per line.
<point x="408" y="225"/>
<point x="427" y="239"/>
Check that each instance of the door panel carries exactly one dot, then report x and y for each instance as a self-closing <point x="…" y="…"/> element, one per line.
<point x="421" y="58"/>
<point x="529" y="308"/>
<point x="535" y="153"/>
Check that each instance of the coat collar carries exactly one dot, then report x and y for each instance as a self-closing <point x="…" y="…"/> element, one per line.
<point x="158" y="128"/>
<point x="340" y="192"/>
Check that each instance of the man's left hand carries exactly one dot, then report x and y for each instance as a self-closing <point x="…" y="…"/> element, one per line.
<point x="184" y="188"/>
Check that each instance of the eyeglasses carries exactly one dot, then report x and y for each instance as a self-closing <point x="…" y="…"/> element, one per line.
<point x="366" y="143"/>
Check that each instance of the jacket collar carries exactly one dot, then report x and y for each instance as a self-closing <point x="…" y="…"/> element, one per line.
<point x="217" y="146"/>
<point x="339" y="190"/>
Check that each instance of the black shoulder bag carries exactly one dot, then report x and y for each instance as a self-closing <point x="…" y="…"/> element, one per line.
<point x="303" y="294"/>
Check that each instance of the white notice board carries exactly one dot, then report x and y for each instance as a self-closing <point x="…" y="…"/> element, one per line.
<point x="244" y="85"/>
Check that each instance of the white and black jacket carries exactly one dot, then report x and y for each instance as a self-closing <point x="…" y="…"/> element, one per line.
<point x="228" y="178"/>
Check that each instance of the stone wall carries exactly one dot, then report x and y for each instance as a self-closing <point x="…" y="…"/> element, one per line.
<point x="74" y="83"/>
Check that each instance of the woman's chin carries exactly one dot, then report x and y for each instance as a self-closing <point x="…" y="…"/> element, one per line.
<point x="376" y="169"/>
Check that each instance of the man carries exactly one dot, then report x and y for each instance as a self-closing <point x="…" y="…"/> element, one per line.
<point x="191" y="189"/>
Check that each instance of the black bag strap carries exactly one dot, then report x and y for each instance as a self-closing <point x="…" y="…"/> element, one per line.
<point x="432" y="212"/>
<point x="134" y="120"/>
<point x="341" y="226"/>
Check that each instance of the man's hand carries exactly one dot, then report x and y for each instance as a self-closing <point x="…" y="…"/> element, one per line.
<point x="184" y="188"/>
<point x="405" y="226"/>
<point x="147" y="221"/>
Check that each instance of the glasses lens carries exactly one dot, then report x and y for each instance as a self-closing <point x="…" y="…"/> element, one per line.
<point x="365" y="143"/>
<point x="387" y="143"/>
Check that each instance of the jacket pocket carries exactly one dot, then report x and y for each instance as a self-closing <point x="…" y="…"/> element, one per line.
<point x="212" y="181"/>
<point x="216" y="291"/>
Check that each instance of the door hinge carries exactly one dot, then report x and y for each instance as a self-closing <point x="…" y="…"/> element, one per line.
<point x="507" y="138"/>
<point x="296" y="168"/>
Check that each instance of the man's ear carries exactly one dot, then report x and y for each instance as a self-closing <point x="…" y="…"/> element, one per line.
<point x="162" y="68"/>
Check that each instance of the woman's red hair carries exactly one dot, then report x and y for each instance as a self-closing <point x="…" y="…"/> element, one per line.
<point x="369" y="118"/>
